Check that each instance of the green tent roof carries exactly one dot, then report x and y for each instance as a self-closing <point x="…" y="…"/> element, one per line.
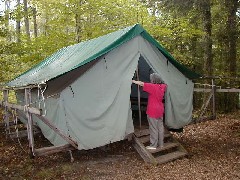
<point x="72" y="57"/>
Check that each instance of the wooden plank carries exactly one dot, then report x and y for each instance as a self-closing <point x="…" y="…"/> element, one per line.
<point x="53" y="149"/>
<point x="22" y="133"/>
<point x="166" y="146"/>
<point x="146" y="155"/>
<point x="20" y="107"/>
<point x="142" y="132"/>
<point x="58" y="131"/>
<point x="11" y="123"/>
<point x="21" y="87"/>
<point x="170" y="157"/>
<point x="145" y="139"/>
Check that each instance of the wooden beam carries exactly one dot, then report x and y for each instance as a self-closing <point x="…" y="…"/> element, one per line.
<point x="58" y="131"/>
<point x="20" y="107"/>
<point x="53" y="149"/>
<point x="21" y="87"/>
<point x="217" y="90"/>
<point x="23" y="133"/>
<point x="11" y="123"/>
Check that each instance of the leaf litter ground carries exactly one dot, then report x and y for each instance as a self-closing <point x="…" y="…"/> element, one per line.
<point x="213" y="146"/>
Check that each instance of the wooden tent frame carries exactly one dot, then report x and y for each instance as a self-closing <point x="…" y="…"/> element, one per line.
<point x="29" y="112"/>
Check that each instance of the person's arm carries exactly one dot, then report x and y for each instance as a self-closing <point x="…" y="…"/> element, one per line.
<point x="140" y="83"/>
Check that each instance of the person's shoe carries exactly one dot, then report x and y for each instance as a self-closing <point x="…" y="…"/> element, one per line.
<point x="151" y="148"/>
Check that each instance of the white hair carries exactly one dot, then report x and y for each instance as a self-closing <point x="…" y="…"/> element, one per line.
<point x="155" y="78"/>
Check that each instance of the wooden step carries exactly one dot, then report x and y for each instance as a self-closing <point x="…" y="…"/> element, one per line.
<point x="145" y="139"/>
<point x="166" y="146"/>
<point x="170" y="157"/>
<point x="142" y="132"/>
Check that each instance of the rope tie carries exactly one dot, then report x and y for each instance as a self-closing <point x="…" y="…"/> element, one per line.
<point x="41" y="92"/>
<point x="25" y="108"/>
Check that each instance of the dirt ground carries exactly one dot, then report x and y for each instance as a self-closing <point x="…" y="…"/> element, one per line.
<point x="213" y="146"/>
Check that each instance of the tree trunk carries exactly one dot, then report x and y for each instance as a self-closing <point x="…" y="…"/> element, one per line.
<point x="7" y="17"/>
<point x="35" y="21"/>
<point x="18" y="21"/>
<point x="231" y="27"/>
<point x="231" y="44"/>
<point x="26" y="19"/>
<point x="78" y="21"/>
<point x="78" y="27"/>
<point x="207" y="27"/>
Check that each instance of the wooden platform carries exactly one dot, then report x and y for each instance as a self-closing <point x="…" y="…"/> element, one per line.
<point x="172" y="149"/>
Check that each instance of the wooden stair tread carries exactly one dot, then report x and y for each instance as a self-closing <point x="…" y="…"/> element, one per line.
<point x="142" y="132"/>
<point x="170" y="157"/>
<point x="145" y="139"/>
<point x="168" y="145"/>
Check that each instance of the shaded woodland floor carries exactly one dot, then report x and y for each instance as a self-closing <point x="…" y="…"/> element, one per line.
<point x="213" y="146"/>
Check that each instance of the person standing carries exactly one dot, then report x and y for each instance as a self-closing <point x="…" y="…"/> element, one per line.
<point x="155" y="109"/>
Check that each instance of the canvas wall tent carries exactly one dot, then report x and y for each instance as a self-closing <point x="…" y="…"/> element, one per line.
<point x="88" y="87"/>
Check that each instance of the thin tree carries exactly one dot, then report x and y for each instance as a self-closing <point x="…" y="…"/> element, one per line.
<point x="26" y="19"/>
<point x="231" y="45"/>
<point x="205" y="7"/>
<point x="18" y="21"/>
<point x="34" y="11"/>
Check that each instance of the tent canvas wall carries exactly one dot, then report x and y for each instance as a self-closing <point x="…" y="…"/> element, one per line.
<point x="88" y="87"/>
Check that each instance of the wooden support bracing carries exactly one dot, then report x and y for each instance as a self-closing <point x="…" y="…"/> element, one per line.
<point x="6" y="112"/>
<point x="53" y="149"/>
<point x="205" y="105"/>
<point x="143" y="152"/>
<point x="213" y="90"/>
<point x="26" y="112"/>
<point x="25" y="108"/>
<point x="28" y="99"/>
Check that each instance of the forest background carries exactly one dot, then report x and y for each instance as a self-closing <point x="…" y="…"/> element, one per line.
<point x="201" y="34"/>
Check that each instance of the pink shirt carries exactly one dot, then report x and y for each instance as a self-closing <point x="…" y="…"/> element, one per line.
<point x="155" y="107"/>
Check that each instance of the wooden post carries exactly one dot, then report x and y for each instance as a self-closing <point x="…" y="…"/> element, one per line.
<point x="213" y="100"/>
<point x="6" y="112"/>
<point x="139" y="102"/>
<point x="204" y="107"/>
<point x="29" y="122"/>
